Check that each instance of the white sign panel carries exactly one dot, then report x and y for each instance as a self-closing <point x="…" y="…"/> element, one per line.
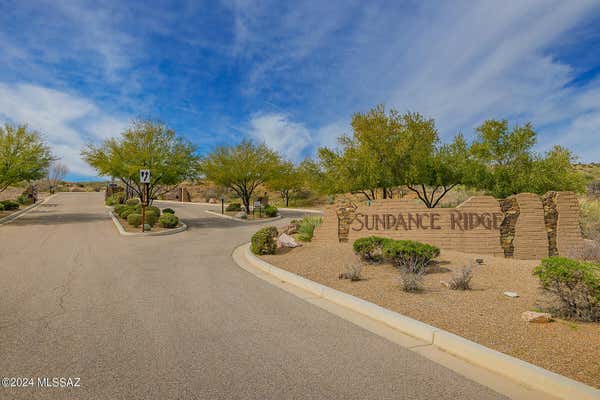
<point x="144" y="176"/>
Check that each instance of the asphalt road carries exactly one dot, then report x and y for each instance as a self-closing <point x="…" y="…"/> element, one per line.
<point x="173" y="317"/>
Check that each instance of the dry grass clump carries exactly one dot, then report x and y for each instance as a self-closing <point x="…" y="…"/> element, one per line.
<point x="411" y="281"/>
<point x="353" y="273"/>
<point x="461" y="280"/>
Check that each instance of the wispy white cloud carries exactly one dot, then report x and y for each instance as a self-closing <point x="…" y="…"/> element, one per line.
<point x="67" y="121"/>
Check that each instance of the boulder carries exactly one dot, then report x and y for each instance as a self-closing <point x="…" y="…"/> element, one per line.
<point x="212" y="200"/>
<point x="537" y="317"/>
<point x="286" y="240"/>
<point x="511" y="294"/>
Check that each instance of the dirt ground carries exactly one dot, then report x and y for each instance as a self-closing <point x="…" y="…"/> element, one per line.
<point x="483" y="314"/>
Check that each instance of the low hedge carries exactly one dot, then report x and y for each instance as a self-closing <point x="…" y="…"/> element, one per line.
<point x="233" y="207"/>
<point x="370" y="248"/>
<point x="168" y="220"/>
<point x="271" y="211"/>
<point x="10" y="205"/>
<point x="263" y="241"/>
<point x="1" y="207"/>
<point x="132" y="202"/>
<point x="134" y="219"/>
<point x="574" y="284"/>
<point x="125" y="211"/>
<point x="168" y="211"/>
<point x="410" y="255"/>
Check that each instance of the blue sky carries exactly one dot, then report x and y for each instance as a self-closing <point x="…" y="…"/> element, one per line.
<point x="291" y="74"/>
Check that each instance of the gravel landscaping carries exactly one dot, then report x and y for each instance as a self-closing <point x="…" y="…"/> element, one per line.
<point x="483" y="314"/>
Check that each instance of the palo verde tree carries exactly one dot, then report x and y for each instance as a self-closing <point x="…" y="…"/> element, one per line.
<point x="55" y="175"/>
<point x="511" y="165"/>
<point x="23" y="155"/>
<point x="145" y="145"/>
<point x="285" y="180"/>
<point x="241" y="168"/>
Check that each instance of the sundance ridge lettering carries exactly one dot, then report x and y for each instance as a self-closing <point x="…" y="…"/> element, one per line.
<point x="462" y="221"/>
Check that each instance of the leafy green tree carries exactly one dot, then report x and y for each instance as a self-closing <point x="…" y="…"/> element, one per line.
<point x="241" y="168"/>
<point x="23" y="155"/>
<point x="513" y="167"/>
<point x="435" y="174"/>
<point x="145" y="145"/>
<point x="285" y="180"/>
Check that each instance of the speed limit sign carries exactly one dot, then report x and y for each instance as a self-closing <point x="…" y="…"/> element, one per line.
<point x="144" y="176"/>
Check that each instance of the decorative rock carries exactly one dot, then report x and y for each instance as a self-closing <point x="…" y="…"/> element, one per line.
<point x="511" y="294"/>
<point x="285" y="240"/>
<point x="147" y="227"/>
<point x="537" y="317"/>
<point x="241" y="215"/>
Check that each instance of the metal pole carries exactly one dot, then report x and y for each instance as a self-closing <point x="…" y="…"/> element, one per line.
<point x="222" y="205"/>
<point x="144" y="199"/>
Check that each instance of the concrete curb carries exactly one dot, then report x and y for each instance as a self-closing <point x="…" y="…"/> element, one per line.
<point x="245" y="221"/>
<point x="15" y="215"/>
<point x="304" y="210"/>
<point x="524" y="373"/>
<point x="123" y="232"/>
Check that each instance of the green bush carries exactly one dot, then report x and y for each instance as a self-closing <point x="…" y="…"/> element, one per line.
<point x="1" y="207"/>
<point x="575" y="285"/>
<point x="155" y="209"/>
<point x="134" y="220"/>
<point x="10" y="205"/>
<point x="150" y="217"/>
<point x="263" y="241"/>
<point x="118" y="209"/>
<point x="233" y="207"/>
<point x="370" y="248"/>
<point x="410" y="255"/>
<point x="307" y="226"/>
<point x="116" y="198"/>
<point x="128" y="210"/>
<point x="132" y="202"/>
<point x="168" y="220"/>
<point x="271" y="211"/>
<point x="168" y="211"/>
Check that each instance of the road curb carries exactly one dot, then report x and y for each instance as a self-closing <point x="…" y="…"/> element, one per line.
<point x="245" y="221"/>
<point x="15" y="215"/>
<point x="123" y="232"/>
<point x="524" y="373"/>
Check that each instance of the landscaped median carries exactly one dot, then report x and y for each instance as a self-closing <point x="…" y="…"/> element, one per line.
<point x="486" y="325"/>
<point x="127" y="218"/>
<point x="234" y="212"/>
<point x="11" y="210"/>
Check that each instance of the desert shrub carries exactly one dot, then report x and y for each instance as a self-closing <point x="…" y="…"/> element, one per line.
<point x="242" y="215"/>
<point x="233" y="207"/>
<point x="118" y="209"/>
<point x="116" y="198"/>
<point x="128" y="210"/>
<point x="369" y="248"/>
<point x="307" y="226"/>
<point x="411" y="281"/>
<point x="154" y="209"/>
<point x="353" y="273"/>
<point x="263" y="241"/>
<point x="271" y="211"/>
<point x="575" y="285"/>
<point x="168" y="211"/>
<point x="132" y="202"/>
<point x="461" y="280"/>
<point x="1" y="207"/>
<point x="150" y="217"/>
<point x="168" y="220"/>
<point x="23" y="199"/>
<point x="410" y="255"/>
<point x="134" y="219"/>
<point x="589" y="218"/>
<point x="9" y="205"/>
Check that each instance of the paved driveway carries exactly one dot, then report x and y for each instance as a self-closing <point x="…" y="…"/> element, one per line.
<point x="174" y="318"/>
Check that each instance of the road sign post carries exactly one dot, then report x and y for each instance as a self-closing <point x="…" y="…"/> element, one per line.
<point x="144" y="180"/>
